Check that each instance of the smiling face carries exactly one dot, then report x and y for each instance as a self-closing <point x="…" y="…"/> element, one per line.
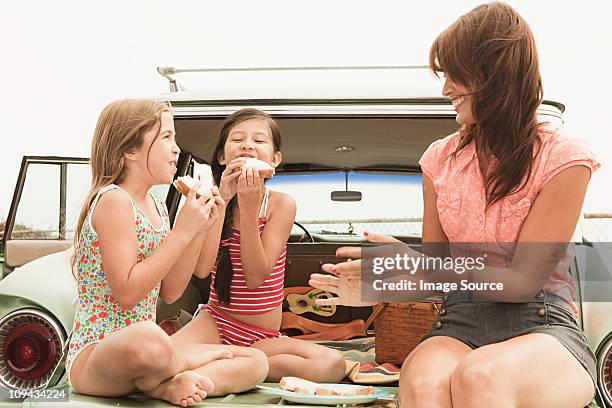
<point x="157" y="156"/>
<point x="461" y="100"/>
<point x="251" y="138"/>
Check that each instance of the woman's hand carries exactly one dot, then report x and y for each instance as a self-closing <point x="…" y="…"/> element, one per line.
<point x="250" y="187"/>
<point x="346" y="284"/>
<point x="228" y="186"/>
<point x="347" y="280"/>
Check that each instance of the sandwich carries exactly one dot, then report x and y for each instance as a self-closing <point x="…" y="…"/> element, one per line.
<point x="331" y="389"/>
<point x="265" y="170"/>
<point x="301" y="386"/>
<point x="184" y="184"/>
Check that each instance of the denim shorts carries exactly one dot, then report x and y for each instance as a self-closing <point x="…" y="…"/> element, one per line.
<point x="479" y="323"/>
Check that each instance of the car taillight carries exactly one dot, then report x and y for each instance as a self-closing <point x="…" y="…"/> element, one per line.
<point x="604" y="363"/>
<point x="30" y="350"/>
<point x="31" y="343"/>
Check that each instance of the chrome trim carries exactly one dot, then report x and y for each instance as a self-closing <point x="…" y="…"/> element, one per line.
<point x="25" y="162"/>
<point x="604" y="376"/>
<point x="339" y="110"/>
<point x="166" y="71"/>
<point x="7" y="379"/>
<point x="319" y="110"/>
<point x="170" y="72"/>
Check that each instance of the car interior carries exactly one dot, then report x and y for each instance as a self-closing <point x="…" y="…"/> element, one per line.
<point x="312" y="146"/>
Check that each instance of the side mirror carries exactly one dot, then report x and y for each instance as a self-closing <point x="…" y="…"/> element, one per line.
<point x="346" y="195"/>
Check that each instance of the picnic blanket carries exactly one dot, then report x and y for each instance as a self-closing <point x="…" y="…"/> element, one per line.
<point x="361" y="368"/>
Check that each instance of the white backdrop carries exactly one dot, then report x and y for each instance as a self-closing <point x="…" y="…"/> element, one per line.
<point x="62" y="61"/>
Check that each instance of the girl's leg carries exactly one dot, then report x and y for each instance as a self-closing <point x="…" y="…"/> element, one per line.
<point x="299" y="358"/>
<point x="534" y="370"/>
<point x="243" y="372"/>
<point x="201" y="329"/>
<point x="141" y="357"/>
<point x="425" y="379"/>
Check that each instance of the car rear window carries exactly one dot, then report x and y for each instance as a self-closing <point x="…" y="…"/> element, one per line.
<point x="391" y="203"/>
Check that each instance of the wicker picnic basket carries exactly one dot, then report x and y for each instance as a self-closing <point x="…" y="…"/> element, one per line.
<point x="399" y="328"/>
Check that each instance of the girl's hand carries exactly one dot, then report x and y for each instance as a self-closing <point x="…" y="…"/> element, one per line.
<point x="217" y="208"/>
<point x="195" y="214"/>
<point x="228" y="186"/>
<point x="250" y="187"/>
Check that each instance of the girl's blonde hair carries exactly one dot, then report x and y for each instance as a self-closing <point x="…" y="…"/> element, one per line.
<point x="120" y="130"/>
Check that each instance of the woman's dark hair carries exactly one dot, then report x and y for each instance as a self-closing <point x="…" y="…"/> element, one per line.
<point x="492" y="52"/>
<point x="225" y="272"/>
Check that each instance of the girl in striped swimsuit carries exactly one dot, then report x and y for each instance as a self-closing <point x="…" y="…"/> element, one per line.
<point x="248" y="262"/>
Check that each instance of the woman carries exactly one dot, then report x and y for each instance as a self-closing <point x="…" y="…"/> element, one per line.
<point x="502" y="178"/>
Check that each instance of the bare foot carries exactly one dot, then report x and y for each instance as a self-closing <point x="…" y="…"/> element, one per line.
<point x="184" y="362"/>
<point x="184" y="389"/>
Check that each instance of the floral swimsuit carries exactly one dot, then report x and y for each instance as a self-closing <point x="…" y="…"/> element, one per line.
<point x="96" y="311"/>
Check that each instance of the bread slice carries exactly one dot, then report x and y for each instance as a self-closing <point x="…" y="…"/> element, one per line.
<point x="364" y="390"/>
<point x="331" y="389"/>
<point x="302" y="386"/>
<point x="298" y="385"/>
<point x="183" y="184"/>
<point x="265" y="170"/>
<point x="324" y="390"/>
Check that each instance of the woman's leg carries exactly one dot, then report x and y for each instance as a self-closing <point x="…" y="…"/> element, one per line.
<point x="534" y="370"/>
<point x="299" y="358"/>
<point x="140" y="357"/>
<point x="425" y="379"/>
<point x="244" y="371"/>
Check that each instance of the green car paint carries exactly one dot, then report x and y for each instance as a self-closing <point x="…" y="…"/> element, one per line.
<point x="42" y="288"/>
<point x="253" y="398"/>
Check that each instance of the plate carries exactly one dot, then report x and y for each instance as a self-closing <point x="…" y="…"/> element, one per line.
<point x="291" y="396"/>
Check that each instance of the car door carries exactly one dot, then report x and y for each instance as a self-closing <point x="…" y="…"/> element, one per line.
<point x="48" y="195"/>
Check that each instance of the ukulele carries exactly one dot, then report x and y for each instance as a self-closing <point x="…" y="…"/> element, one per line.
<point x="304" y="303"/>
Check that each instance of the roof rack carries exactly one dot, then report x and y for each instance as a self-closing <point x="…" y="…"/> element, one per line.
<point x="169" y="72"/>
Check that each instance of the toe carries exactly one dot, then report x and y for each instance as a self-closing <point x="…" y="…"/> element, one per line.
<point x="201" y="393"/>
<point x="206" y="384"/>
<point x="196" y="398"/>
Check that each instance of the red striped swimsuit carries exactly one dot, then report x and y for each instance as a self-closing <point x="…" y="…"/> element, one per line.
<point x="243" y="300"/>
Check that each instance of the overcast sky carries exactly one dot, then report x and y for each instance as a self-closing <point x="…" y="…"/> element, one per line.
<point x="63" y="61"/>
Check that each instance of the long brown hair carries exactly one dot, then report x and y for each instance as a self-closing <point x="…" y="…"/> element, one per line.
<point x="492" y="52"/>
<point x="225" y="272"/>
<point x="120" y="130"/>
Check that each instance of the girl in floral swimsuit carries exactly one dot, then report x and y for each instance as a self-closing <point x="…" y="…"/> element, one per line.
<point x="126" y="257"/>
<point x="248" y="262"/>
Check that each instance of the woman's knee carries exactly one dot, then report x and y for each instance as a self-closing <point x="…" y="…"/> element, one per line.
<point x="423" y="383"/>
<point x="476" y="379"/>
<point x="424" y="386"/>
<point x="474" y="375"/>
